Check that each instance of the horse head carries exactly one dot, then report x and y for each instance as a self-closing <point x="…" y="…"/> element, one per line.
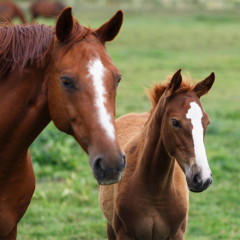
<point x="184" y="127"/>
<point x="82" y="91"/>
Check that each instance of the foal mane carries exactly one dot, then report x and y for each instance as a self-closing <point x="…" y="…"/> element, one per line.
<point x="22" y="44"/>
<point x="158" y="89"/>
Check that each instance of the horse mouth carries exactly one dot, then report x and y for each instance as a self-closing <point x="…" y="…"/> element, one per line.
<point x="109" y="182"/>
<point x="195" y="191"/>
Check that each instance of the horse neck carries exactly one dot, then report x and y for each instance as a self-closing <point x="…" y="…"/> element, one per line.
<point x="26" y="114"/>
<point x="155" y="167"/>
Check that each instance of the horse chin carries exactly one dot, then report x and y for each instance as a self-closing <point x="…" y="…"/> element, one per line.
<point x="195" y="190"/>
<point x="109" y="182"/>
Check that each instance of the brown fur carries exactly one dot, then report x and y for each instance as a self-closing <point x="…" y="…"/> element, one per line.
<point x="33" y="94"/>
<point x="22" y="44"/>
<point x="151" y="201"/>
<point x="157" y="90"/>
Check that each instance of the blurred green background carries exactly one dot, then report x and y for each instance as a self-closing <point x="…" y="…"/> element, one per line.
<point x="156" y="39"/>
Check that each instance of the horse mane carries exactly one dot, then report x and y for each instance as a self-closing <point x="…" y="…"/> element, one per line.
<point x="158" y="89"/>
<point x="22" y="44"/>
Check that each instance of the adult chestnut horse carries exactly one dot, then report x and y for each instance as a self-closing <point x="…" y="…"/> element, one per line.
<point x="62" y="74"/>
<point x="166" y="156"/>
<point x="46" y="9"/>
<point x="8" y="11"/>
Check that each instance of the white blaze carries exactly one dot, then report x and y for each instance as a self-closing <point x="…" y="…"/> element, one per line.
<point x="96" y="73"/>
<point x="195" y="114"/>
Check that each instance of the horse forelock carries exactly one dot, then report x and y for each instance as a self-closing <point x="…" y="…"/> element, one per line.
<point x="157" y="90"/>
<point x="78" y="33"/>
<point x="22" y="44"/>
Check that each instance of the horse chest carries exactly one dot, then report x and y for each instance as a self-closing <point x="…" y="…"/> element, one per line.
<point x="170" y="217"/>
<point x="159" y="220"/>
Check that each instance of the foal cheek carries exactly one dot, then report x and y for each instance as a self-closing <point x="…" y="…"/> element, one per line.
<point x="169" y="140"/>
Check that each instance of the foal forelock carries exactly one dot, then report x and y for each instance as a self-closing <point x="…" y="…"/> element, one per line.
<point x="96" y="73"/>
<point x="195" y="115"/>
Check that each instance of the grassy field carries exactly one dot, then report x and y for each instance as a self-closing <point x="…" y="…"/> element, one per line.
<point x="150" y="46"/>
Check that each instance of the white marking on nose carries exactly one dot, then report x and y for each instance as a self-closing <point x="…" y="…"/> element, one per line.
<point x="96" y="72"/>
<point x="195" y="114"/>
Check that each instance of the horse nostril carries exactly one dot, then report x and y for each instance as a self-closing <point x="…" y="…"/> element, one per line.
<point x="207" y="183"/>
<point x="197" y="181"/>
<point x="124" y="163"/>
<point x="97" y="167"/>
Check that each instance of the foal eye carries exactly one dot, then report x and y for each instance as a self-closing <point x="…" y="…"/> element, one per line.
<point x="176" y="123"/>
<point x="119" y="79"/>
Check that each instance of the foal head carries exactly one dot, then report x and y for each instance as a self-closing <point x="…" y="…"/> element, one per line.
<point x="82" y="92"/>
<point x="183" y="129"/>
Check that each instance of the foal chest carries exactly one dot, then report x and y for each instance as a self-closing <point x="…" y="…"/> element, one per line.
<point x="161" y="221"/>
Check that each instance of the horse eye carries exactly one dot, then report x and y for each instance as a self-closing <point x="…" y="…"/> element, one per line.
<point x="176" y="123"/>
<point x="119" y="79"/>
<point x="67" y="82"/>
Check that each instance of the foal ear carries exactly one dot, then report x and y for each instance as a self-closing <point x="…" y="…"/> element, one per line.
<point x="64" y="24"/>
<point x="205" y="85"/>
<point x="175" y="83"/>
<point x="109" y="30"/>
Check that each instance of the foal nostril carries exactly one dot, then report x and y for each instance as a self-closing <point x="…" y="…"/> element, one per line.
<point x="197" y="180"/>
<point x="207" y="183"/>
<point x="97" y="167"/>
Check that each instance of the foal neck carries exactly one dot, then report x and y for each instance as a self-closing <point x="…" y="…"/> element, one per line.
<point x="155" y="167"/>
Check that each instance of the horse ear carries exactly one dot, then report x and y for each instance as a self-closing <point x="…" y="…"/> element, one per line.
<point x="64" y="24"/>
<point x="109" y="30"/>
<point x="175" y="83"/>
<point x="205" y="85"/>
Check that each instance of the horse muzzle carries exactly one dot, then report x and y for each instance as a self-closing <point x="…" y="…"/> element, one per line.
<point x="196" y="182"/>
<point x="107" y="174"/>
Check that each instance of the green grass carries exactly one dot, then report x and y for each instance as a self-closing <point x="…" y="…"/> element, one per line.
<point x="150" y="46"/>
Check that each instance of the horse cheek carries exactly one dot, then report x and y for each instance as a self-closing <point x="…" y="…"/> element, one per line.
<point x="58" y="111"/>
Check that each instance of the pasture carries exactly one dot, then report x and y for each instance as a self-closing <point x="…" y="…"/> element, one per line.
<point x="150" y="46"/>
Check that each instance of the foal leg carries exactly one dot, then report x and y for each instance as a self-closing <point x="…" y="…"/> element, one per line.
<point x="12" y="235"/>
<point x="110" y="232"/>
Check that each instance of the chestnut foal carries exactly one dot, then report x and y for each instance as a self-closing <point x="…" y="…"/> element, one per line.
<point x="165" y="156"/>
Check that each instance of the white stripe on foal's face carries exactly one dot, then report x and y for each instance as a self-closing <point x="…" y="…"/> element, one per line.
<point x="96" y="73"/>
<point x="195" y="115"/>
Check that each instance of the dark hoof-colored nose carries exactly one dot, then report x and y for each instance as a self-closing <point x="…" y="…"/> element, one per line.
<point x="107" y="173"/>
<point x="198" y="185"/>
<point x="197" y="181"/>
<point x="207" y="183"/>
<point x="98" y="168"/>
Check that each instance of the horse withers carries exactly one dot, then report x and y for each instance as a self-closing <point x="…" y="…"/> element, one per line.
<point x="62" y="74"/>
<point x="166" y="157"/>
